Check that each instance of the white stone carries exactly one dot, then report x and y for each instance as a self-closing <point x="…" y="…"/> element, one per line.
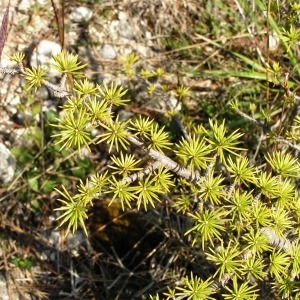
<point x="108" y="52"/>
<point x="107" y="78"/>
<point x="174" y="103"/>
<point x="81" y="14"/>
<point x="54" y="239"/>
<point x="12" y="101"/>
<point x="43" y="54"/>
<point x="6" y="62"/>
<point x="148" y="35"/>
<point x="125" y="30"/>
<point x="274" y="41"/>
<point x="143" y="50"/>
<point x="7" y="164"/>
<point x="122" y="16"/>
<point x="3" y="288"/>
<point x="113" y="30"/>
<point x="49" y="105"/>
<point x="72" y="37"/>
<point x="74" y="240"/>
<point x="44" y="2"/>
<point x="98" y="35"/>
<point x="25" y="5"/>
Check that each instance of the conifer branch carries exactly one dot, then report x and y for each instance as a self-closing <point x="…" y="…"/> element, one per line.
<point x="57" y="89"/>
<point x="249" y="118"/>
<point x="166" y="161"/>
<point x="282" y="140"/>
<point x="149" y="169"/>
<point x="276" y="240"/>
<point x="278" y="139"/>
<point x="9" y="71"/>
<point x="222" y="282"/>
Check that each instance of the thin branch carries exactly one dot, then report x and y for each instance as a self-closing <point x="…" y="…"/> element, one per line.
<point x="282" y="140"/>
<point x="276" y="240"/>
<point x="166" y="161"/>
<point x="9" y="71"/>
<point x="134" y="177"/>
<point x="57" y="89"/>
<point x="250" y="118"/>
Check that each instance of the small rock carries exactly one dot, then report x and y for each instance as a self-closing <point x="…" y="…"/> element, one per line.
<point x="74" y="240"/>
<point x="42" y="93"/>
<point x="125" y="30"/>
<point x="49" y="105"/>
<point x="7" y="164"/>
<point x="174" y="103"/>
<point x="24" y="5"/>
<point x="107" y="78"/>
<point x="113" y="30"/>
<point x="122" y="16"/>
<point x="148" y="35"/>
<point x="108" y="52"/>
<point x="43" y="2"/>
<point x="6" y="62"/>
<point x="274" y="42"/>
<point x="81" y="14"/>
<point x="12" y="101"/>
<point x="43" y="53"/>
<point x="143" y="50"/>
<point x="54" y="239"/>
<point x="3" y="288"/>
<point x="21" y="118"/>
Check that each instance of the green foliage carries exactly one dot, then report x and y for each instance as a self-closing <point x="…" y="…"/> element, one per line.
<point x="244" y="291"/>
<point x="17" y="57"/>
<point x="209" y="224"/>
<point x="67" y="63"/>
<point x="226" y="258"/>
<point x="283" y="163"/>
<point x="113" y="94"/>
<point x="74" y="211"/>
<point x="193" y="288"/>
<point x="35" y="77"/>
<point x="142" y="126"/>
<point x="74" y="131"/>
<point x="23" y="263"/>
<point x="158" y="138"/>
<point x="128" y="63"/>
<point x="222" y="143"/>
<point x="163" y="178"/>
<point x="121" y="191"/>
<point x="85" y="87"/>
<point x="239" y="205"/>
<point x="236" y="207"/>
<point x="225" y="206"/>
<point x="290" y="36"/>
<point x="147" y="191"/>
<point x="279" y="262"/>
<point x="254" y="267"/>
<point x="240" y="170"/>
<point x="211" y="189"/>
<point x="125" y="164"/>
<point x="256" y="242"/>
<point x="194" y="152"/>
<point x="116" y="134"/>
